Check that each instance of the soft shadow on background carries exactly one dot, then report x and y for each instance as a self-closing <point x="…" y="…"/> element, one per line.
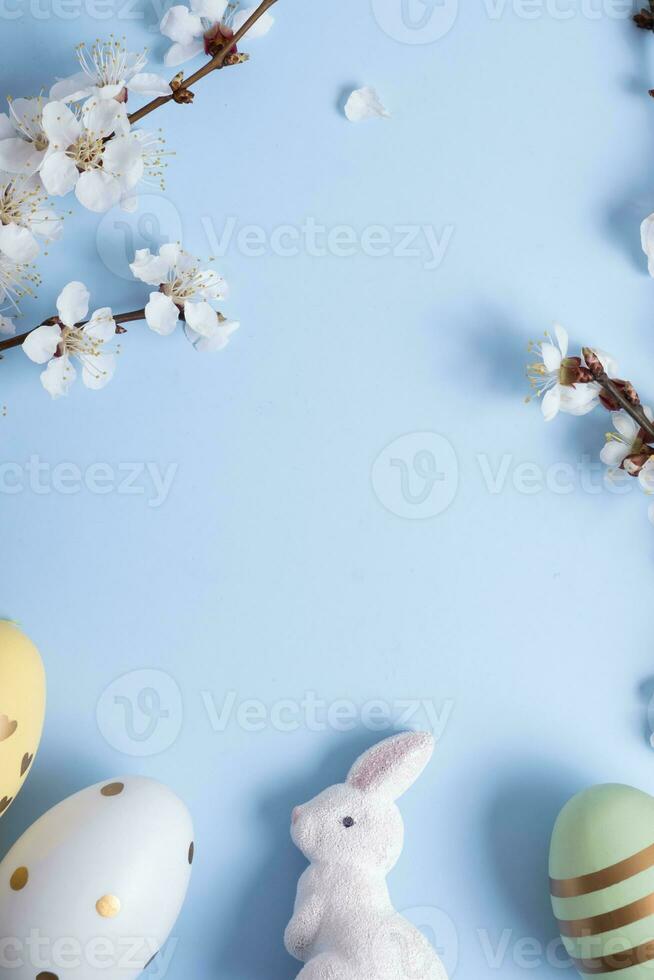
<point x="501" y="353"/>
<point x="634" y="193"/>
<point x="264" y="905"/>
<point x="53" y="778"/>
<point x="517" y="829"/>
<point x="645" y="715"/>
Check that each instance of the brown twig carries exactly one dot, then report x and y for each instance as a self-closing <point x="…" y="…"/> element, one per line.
<point x="217" y="62"/>
<point x="179" y="92"/>
<point x="633" y="408"/>
<point x="119" y="318"/>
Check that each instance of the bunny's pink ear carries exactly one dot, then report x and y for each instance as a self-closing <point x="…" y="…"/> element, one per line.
<point x="392" y="766"/>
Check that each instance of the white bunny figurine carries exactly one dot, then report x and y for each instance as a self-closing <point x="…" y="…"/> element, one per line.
<point x="344" y="926"/>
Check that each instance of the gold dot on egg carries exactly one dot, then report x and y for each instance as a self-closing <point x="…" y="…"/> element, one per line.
<point x="108" y="906"/>
<point x="19" y="879"/>
<point x="113" y="789"/>
<point x="191" y="853"/>
<point x="47" y="976"/>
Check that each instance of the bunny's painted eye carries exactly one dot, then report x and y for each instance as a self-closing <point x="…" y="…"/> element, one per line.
<point x="348" y="822"/>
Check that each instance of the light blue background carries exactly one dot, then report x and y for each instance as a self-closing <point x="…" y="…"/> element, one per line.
<point x="274" y="568"/>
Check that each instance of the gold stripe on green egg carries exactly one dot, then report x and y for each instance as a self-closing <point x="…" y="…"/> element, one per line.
<point x="605" y="900"/>
<point x="602" y="881"/>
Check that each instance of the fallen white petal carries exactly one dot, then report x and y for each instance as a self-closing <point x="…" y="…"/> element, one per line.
<point x="647" y="241"/>
<point x="364" y="103"/>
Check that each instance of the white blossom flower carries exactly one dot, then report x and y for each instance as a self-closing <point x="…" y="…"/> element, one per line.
<point x="647" y="241"/>
<point x="101" y="172"/>
<point x="646" y="480"/>
<point x="17" y="279"/>
<point x="183" y="287"/>
<point x="24" y="218"/>
<point x="23" y="141"/>
<point x="192" y="29"/>
<point x="109" y="71"/>
<point x="7" y="326"/>
<point x="364" y="103"/>
<point x="217" y="341"/>
<point x="626" y="441"/>
<point x="57" y="344"/>
<point x="555" y="378"/>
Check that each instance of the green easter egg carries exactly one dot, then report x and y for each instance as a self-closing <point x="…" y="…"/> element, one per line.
<point x="602" y="881"/>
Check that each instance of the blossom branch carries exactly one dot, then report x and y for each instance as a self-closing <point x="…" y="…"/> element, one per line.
<point x="181" y="88"/>
<point x="577" y="385"/>
<point x="119" y="318"/>
<point x="624" y="394"/>
<point x="645" y="17"/>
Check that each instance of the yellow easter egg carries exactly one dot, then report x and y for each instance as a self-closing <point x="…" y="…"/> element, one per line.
<point x="22" y="709"/>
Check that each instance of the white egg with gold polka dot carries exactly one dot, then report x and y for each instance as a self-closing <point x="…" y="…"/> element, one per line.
<point x="22" y="709"/>
<point x="94" y="888"/>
